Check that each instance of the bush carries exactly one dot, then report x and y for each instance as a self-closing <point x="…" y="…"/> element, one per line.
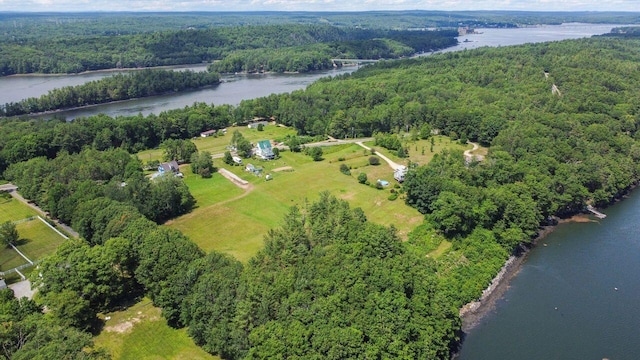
<point x="276" y="153"/>
<point x="315" y="153"/>
<point x="393" y="196"/>
<point x="341" y="158"/>
<point x="374" y="160"/>
<point x="345" y="169"/>
<point x="362" y="178"/>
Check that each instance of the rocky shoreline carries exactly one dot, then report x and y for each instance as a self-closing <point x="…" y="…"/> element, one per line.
<point x="472" y="313"/>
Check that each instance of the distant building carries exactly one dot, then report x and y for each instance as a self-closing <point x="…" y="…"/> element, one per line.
<point x="255" y="124"/>
<point x="170" y="167"/>
<point x="400" y="173"/>
<point x="264" y="150"/>
<point x="208" y="133"/>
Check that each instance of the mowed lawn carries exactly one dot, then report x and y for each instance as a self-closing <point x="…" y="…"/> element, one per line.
<point x="218" y="145"/>
<point x="36" y="240"/>
<point x="12" y="209"/>
<point x="237" y="224"/>
<point x="140" y="332"/>
<point x="420" y="151"/>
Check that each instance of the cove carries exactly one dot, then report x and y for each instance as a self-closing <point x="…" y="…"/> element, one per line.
<point x="575" y="298"/>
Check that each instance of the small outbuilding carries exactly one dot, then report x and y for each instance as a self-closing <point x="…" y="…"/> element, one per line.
<point x="208" y="133"/>
<point x="255" y="124"/>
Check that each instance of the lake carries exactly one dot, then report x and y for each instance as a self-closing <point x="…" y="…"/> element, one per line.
<point x="236" y="88"/>
<point x="575" y="298"/>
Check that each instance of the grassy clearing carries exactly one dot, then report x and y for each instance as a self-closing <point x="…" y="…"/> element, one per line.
<point x="420" y="151"/>
<point x="36" y="241"/>
<point x="442" y="248"/>
<point x="238" y="225"/>
<point x="141" y="333"/>
<point x="218" y="145"/>
<point x="12" y="209"/>
<point x="9" y="259"/>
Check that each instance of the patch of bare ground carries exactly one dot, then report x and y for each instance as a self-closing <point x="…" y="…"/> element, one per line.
<point x="581" y="218"/>
<point x="284" y="168"/>
<point x="127" y="326"/>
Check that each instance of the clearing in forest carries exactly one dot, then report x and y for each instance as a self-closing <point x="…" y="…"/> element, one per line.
<point x="234" y="220"/>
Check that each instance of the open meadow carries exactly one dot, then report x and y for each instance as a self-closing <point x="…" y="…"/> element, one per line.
<point x="218" y="144"/>
<point x="36" y="240"/>
<point x="140" y="332"/>
<point x="234" y="220"/>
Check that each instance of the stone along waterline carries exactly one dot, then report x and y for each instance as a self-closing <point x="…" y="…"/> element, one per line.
<point x="575" y="298"/>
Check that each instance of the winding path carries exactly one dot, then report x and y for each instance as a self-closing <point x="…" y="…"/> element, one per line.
<point x="468" y="153"/>
<point x="394" y="165"/>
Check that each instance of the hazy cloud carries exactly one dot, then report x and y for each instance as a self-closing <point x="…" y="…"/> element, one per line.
<point x="317" y="5"/>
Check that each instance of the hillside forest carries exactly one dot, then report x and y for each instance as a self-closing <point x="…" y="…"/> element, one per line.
<point x="562" y="122"/>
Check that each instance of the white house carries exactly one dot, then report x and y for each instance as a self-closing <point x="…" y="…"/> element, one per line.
<point x="264" y="150"/>
<point x="399" y="173"/>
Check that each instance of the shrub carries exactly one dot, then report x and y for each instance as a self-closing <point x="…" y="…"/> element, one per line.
<point x="362" y="178"/>
<point x="341" y="158"/>
<point x="314" y="152"/>
<point x="393" y="196"/>
<point x="374" y="160"/>
<point x="345" y="169"/>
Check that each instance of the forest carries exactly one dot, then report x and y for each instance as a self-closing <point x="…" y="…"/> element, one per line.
<point x="193" y="46"/>
<point x="137" y="84"/>
<point x="29" y="26"/>
<point x="562" y="121"/>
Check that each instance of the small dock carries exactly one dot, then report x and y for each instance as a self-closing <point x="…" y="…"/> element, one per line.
<point x="595" y="212"/>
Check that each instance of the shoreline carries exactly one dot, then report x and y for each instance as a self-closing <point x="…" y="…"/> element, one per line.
<point x="88" y="72"/>
<point x="472" y="314"/>
<point x="57" y="111"/>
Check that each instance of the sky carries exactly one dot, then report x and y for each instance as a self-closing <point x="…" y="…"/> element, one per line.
<point x="316" y="5"/>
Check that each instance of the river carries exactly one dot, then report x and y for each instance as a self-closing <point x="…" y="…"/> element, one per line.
<point x="236" y="88"/>
<point x="575" y="298"/>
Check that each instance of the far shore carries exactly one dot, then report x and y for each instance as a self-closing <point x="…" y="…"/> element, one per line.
<point x="56" y="111"/>
<point x="184" y="66"/>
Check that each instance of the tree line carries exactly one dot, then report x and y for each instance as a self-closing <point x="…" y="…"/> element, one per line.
<point x="136" y="84"/>
<point x="187" y="46"/>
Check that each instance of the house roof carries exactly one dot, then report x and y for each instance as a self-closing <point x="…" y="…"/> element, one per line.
<point x="170" y="166"/>
<point x="264" y="144"/>
<point x="208" y="132"/>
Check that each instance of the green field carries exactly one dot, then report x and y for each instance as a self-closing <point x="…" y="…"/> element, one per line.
<point x="140" y="332"/>
<point x="218" y="145"/>
<point x="420" y="151"/>
<point x="36" y="240"/>
<point x="235" y="222"/>
<point x="12" y="209"/>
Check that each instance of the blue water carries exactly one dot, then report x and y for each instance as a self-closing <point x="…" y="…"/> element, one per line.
<point x="576" y="298"/>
